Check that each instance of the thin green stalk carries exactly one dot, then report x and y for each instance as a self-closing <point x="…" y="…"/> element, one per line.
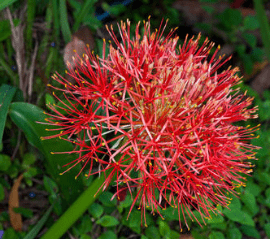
<point x="88" y="4"/>
<point x="8" y="70"/>
<point x="64" y="21"/>
<point x="75" y="211"/>
<point x="264" y="26"/>
<point x="56" y="22"/>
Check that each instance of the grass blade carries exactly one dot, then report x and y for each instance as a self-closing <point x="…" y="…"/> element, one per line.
<point x="8" y="70"/>
<point x="264" y="26"/>
<point x="35" y="230"/>
<point x="6" y="3"/>
<point x="83" y="12"/>
<point x="64" y="21"/>
<point x="6" y="95"/>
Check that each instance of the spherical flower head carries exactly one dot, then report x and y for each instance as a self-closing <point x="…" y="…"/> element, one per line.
<point x="160" y="118"/>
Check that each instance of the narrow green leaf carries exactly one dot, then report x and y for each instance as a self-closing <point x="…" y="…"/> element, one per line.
<point x="267" y="229"/>
<point x="26" y="117"/>
<point x="31" y="9"/>
<point x="2" y="193"/>
<point x="88" y="4"/>
<point x="264" y="25"/>
<point x="75" y="211"/>
<point x="56" y="22"/>
<point x="35" y="230"/>
<point x="6" y="3"/>
<point x="6" y="95"/>
<point x="64" y="20"/>
<point x="50" y="186"/>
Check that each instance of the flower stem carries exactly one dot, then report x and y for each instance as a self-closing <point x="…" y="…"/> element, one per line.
<point x="75" y="210"/>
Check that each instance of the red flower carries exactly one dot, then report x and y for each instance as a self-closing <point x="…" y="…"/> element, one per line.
<point x="160" y="119"/>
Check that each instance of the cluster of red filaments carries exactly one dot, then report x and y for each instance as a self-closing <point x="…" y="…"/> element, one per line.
<point x="160" y="118"/>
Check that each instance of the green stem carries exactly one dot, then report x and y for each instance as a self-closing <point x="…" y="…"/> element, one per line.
<point x="264" y="25"/>
<point x="75" y="211"/>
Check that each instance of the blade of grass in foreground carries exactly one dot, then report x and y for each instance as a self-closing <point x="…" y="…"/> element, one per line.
<point x="75" y="211"/>
<point x="35" y="230"/>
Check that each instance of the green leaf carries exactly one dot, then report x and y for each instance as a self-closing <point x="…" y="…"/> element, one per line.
<point x="264" y="25"/>
<point x="164" y="228"/>
<point x="50" y="186"/>
<point x="231" y="18"/>
<point x="6" y="3"/>
<point x="264" y="178"/>
<point x="10" y="234"/>
<point x="247" y="62"/>
<point x="253" y="188"/>
<point x="108" y="221"/>
<point x="2" y="193"/>
<point x="127" y="202"/>
<point x="49" y="99"/>
<point x="28" y="159"/>
<point x="216" y="235"/>
<point x="152" y="232"/>
<point x="26" y="117"/>
<point x="5" y="162"/>
<point x="6" y="95"/>
<point x="267" y="229"/>
<point x="5" y="30"/>
<point x="250" y="202"/>
<point x="250" y="231"/>
<point x="251" y="23"/>
<point x="134" y="219"/>
<point x="96" y="210"/>
<point x="88" y="4"/>
<point x="35" y="230"/>
<point x="85" y="225"/>
<point x="236" y="215"/>
<point x="105" y="199"/>
<point x="250" y="39"/>
<point x="24" y="212"/>
<point x="30" y="173"/>
<point x="175" y="235"/>
<point x="108" y="235"/>
<point x="85" y="236"/>
<point x="234" y="233"/>
<point x="170" y="214"/>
